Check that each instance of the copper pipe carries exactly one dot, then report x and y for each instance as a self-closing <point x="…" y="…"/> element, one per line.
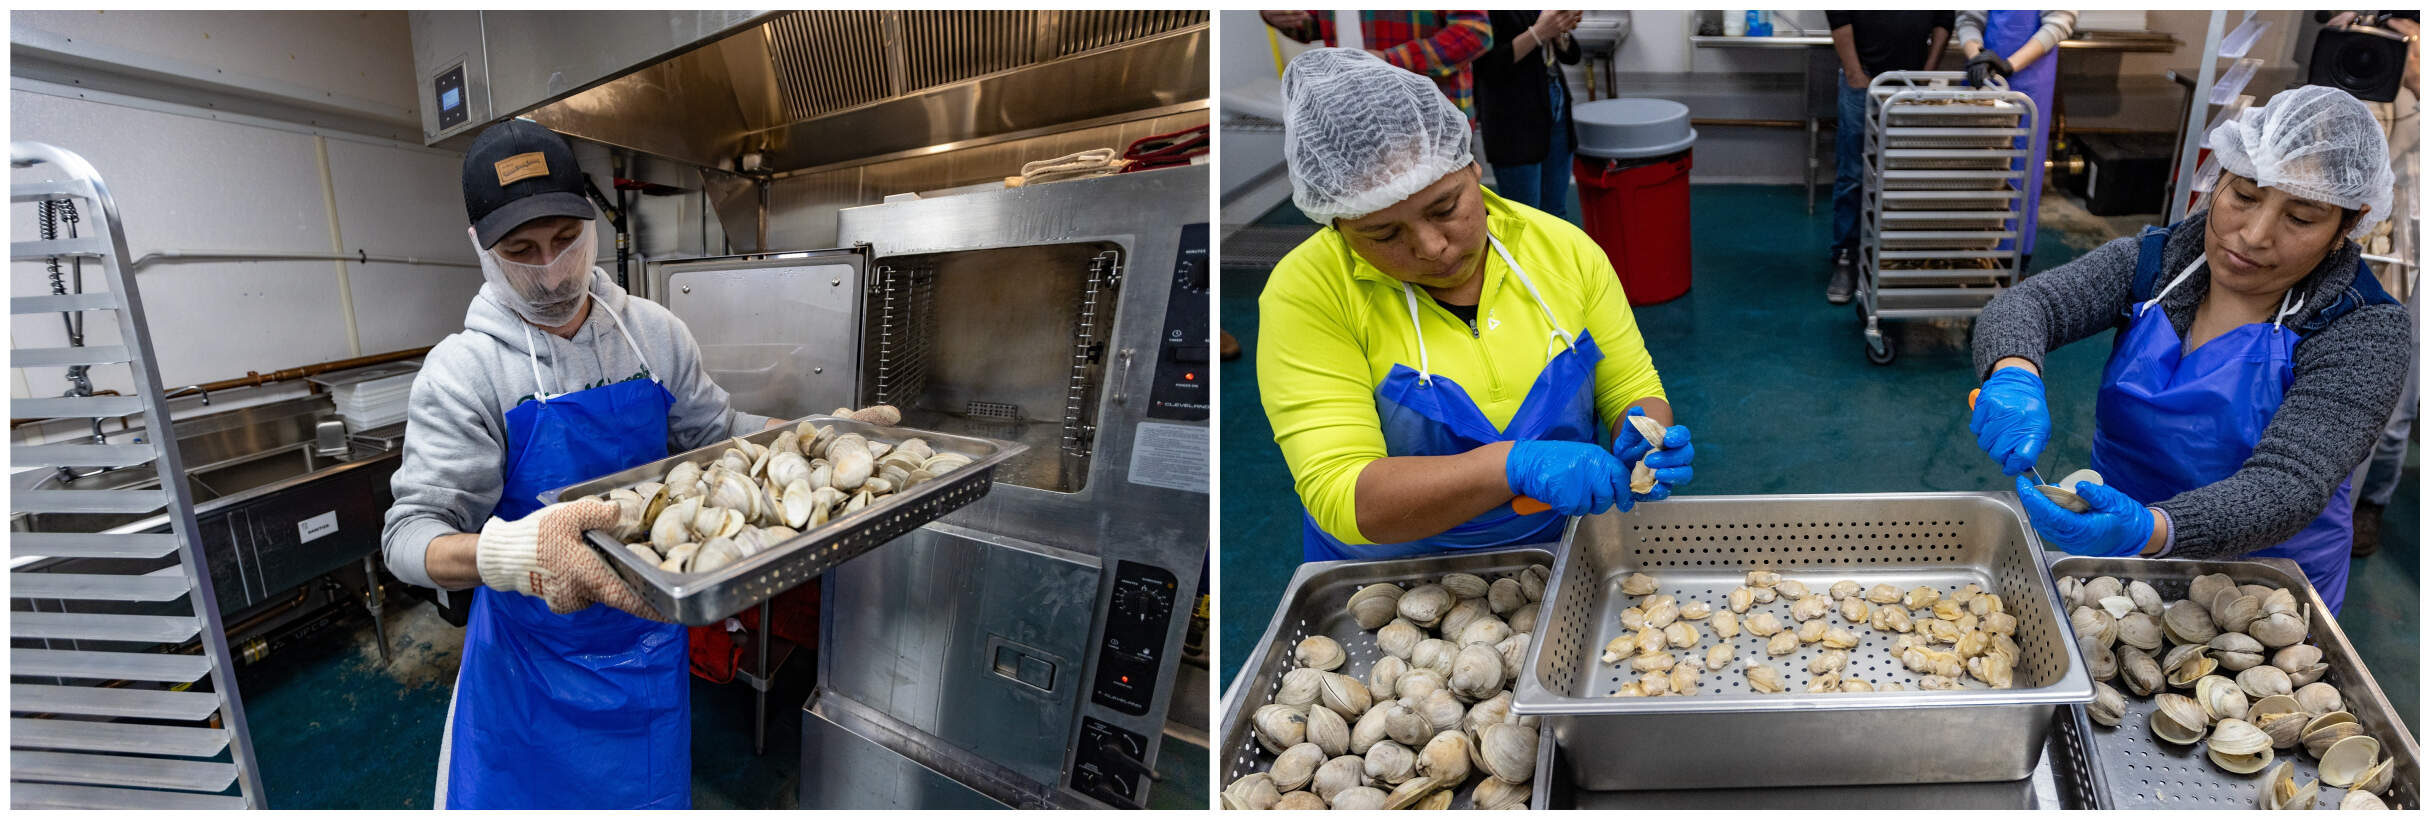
<point x="257" y="379"/>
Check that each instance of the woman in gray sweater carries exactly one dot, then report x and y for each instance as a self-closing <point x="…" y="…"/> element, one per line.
<point x="2255" y="360"/>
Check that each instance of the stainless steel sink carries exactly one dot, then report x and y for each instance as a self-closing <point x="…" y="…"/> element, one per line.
<point x="208" y="483"/>
<point x="272" y="512"/>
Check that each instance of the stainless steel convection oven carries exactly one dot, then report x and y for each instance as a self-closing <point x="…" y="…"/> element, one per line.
<point x="1020" y="651"/>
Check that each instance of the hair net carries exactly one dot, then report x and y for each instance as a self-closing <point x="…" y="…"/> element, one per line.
<point x="1360" y="135"/>
<point x="546" y="294"/>
<point x="2314" y="142"/>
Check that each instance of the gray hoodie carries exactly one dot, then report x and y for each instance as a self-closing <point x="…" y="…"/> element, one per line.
<point x="455" y="424"/>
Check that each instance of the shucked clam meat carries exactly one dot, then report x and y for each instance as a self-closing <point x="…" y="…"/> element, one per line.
<point x="704" y="515"/>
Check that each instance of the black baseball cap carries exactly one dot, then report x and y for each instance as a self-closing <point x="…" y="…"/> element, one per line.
<point x="518" y="171"/>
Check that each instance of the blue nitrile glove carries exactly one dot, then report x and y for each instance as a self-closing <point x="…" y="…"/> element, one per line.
<point x="2116" y="525"/>
<point x="1573" y="477"/>
<point x="2012" y="419"/>
<point x="1671" y="465"/>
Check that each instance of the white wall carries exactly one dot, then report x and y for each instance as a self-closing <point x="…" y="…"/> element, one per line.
<point x="2105" y="89"/>
<point x="191" y="177"/>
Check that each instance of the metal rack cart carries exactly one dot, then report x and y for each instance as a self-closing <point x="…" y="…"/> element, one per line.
<point x="122" y="692"/>
<point x="1941" y="199"/>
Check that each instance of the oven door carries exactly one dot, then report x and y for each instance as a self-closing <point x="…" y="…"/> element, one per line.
<point x="779" y="331"/>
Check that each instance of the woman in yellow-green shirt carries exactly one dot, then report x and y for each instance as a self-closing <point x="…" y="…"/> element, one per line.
<point x="1437" y="357"/>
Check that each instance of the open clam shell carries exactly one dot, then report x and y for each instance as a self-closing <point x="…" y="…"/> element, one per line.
<point x="2344" y="762"/>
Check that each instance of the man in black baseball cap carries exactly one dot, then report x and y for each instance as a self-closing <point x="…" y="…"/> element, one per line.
<point x="572" y="691"/>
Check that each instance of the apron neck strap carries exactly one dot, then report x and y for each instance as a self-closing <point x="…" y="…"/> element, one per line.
<point x="1567" y="340"/>
<point x="629" y="343"/>
<point x="540" y="388"/>
<point x="2288" y="304"/>
<point x="2198" y="262"/>
<point x="1409" y="294"/>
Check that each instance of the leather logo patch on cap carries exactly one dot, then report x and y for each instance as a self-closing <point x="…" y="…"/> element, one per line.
<point x="521" y="167"/>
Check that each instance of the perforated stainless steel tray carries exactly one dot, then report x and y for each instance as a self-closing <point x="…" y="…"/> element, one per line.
<point x="1726" y="735"/>
<point x="1317" y="603"/>
<point x="2134" y="770"/>
<point x="697" y="599"/>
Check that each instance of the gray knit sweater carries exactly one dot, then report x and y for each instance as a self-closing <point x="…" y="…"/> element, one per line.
<point x="2347" y="379"/>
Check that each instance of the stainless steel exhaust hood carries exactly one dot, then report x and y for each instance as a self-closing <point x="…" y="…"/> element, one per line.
<point x="767" y="92"/>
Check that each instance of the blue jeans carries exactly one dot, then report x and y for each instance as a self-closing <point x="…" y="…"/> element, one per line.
<point x="1848" y="186"/>
<point x="1543" y="186"/>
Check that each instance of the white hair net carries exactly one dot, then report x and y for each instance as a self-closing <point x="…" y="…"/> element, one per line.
<point x="1360" y="134"/>
<point x="2314" y="142"/>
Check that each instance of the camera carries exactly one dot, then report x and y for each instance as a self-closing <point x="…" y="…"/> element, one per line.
<point x="2364" y="60"/>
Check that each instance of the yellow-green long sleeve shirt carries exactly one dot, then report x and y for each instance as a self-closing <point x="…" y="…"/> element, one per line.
<point x="1331" y="326"/>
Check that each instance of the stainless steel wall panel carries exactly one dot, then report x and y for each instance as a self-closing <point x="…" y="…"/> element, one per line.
<point x="801" y="209"/>
<point x="925" y="615"/>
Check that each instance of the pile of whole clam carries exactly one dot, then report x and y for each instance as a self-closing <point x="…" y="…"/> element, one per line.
<point x="2256" y="686"/>
<point x="750" y="497"/>
<point x="1431" y="714"/>
<point x="1947" y="639"/>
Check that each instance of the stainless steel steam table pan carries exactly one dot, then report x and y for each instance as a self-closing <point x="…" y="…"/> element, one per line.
<point x="1317" y="603"/>
<point x="707" y="598"/>
<point x="2131" y="769"/>
<point x="1728" y="736"/>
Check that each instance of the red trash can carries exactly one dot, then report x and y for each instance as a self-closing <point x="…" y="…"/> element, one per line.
<point x="1632" y="169"/>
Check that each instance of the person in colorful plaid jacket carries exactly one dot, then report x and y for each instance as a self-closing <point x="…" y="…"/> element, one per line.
<point x="1437" y="44"/>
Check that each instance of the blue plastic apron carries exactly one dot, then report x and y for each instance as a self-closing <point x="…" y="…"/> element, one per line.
<point x="2005" y="32"/>
<point x="1424" y="414"/>
<point x="585" y="710"/>
<point x="2171" y="421"/>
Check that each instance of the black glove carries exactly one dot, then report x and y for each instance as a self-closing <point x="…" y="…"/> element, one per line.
<point x="1984" y="64"/>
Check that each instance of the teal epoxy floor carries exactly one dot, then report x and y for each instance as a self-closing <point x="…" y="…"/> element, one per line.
<point x="333" y="728"/>
<point x="1774" y="382"/>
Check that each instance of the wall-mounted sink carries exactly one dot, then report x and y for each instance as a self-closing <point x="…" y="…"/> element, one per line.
<point x="271" y="511"/>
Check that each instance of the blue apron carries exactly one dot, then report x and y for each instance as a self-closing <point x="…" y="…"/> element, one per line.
<point x="1423" y="414"/>
<point x="585" y="710"/>
<point x="2005" y="32"/>
<point x="2170" y="421"/>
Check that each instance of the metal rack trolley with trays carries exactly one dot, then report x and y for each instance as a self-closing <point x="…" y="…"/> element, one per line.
<point x="1317" y="602"/>
<point x="1940" y="199"/>
<point x="110" y="721"/>
<point x="1700" y="547"/>
<point x="2127" y="768"/>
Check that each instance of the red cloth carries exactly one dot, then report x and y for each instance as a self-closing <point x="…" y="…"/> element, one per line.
<point x="1166" y="150"/>
<point x="717" y="653"/>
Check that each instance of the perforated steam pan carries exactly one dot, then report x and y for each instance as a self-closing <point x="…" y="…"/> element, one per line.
<point x="1729" y="736"/>
<point x="2132" y="769"/>
<point x="705" y="598"/>
<point x="1317" y="603"/>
